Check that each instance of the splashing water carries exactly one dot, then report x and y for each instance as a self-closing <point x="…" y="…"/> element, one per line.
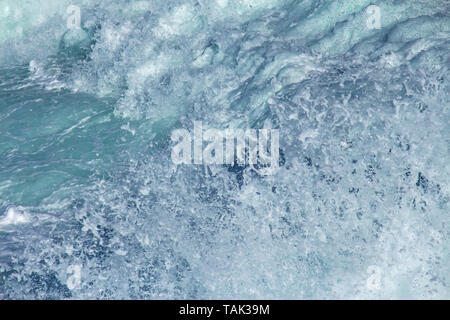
<point x="91" y="205"/>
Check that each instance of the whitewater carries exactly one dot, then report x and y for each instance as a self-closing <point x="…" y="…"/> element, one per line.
<point x="93" y="207"/>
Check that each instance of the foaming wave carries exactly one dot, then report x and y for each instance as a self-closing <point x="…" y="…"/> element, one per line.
<point x="363" y="118"/>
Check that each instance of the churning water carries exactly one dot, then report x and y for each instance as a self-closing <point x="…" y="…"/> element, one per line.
<point x="91" y="205"/>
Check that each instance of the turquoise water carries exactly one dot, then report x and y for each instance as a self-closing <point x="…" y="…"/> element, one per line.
<point x="91" y="205"/>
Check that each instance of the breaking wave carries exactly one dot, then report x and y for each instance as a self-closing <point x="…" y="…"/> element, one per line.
<point x="91" y="205"/>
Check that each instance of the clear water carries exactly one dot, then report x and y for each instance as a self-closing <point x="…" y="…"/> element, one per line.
<point x="91" y="205"/>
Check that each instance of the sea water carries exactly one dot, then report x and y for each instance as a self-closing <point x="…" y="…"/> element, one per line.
<point x="92" y="206"/>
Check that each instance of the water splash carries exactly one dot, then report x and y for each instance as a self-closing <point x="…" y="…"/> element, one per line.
<point x="363" y="117"/>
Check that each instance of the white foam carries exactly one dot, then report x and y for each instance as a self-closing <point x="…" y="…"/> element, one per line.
<point x="14" y="217"/>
